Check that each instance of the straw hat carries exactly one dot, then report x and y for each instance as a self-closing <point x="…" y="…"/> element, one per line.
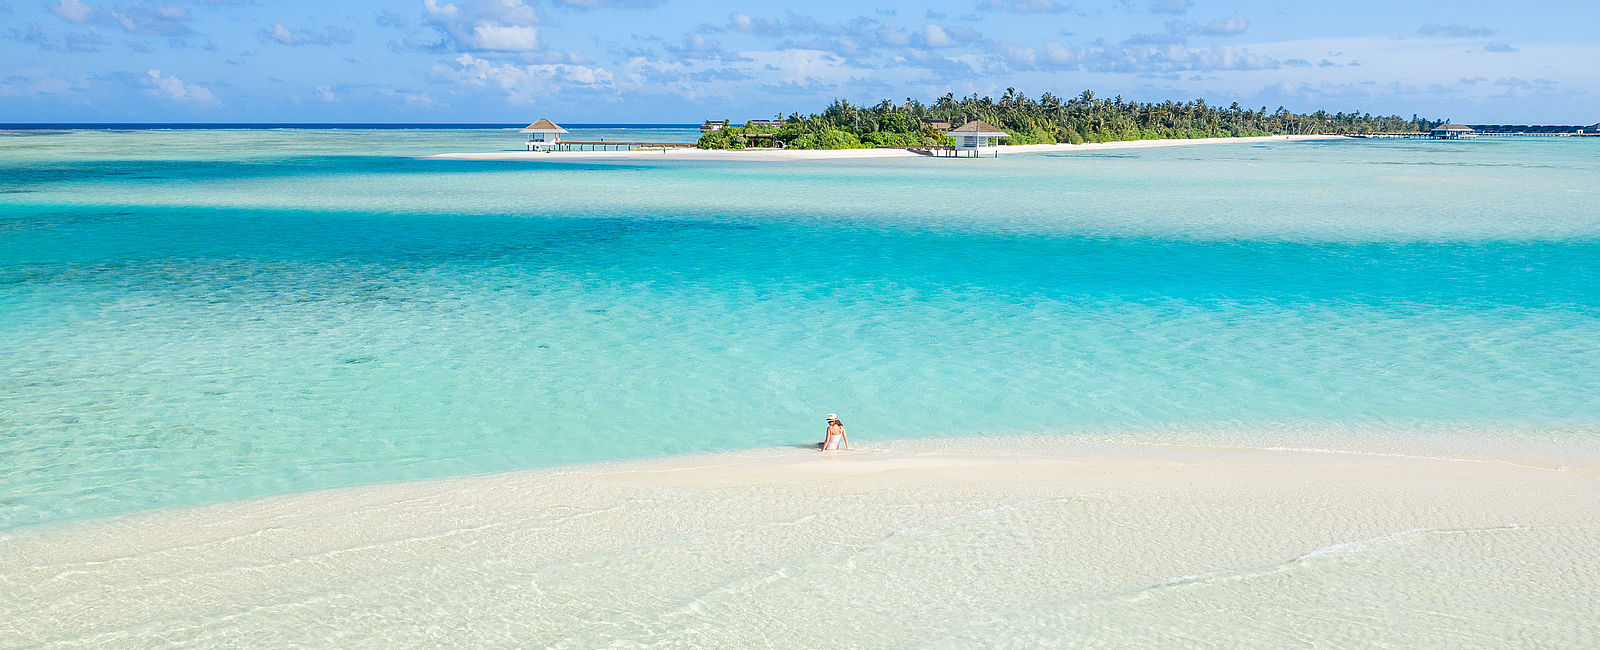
<point x="833" y="416"/>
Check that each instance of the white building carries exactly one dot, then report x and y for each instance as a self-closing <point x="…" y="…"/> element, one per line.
<point x="543" y="135"/>
<point x="976" y="136"/>
<point x="1453" y="131"/>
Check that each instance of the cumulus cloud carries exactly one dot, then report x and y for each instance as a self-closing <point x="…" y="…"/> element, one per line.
<point x="1235" y="24"/>
<point x="72" y="11"/>
<point x="938" y="36"/>
<point x="485" y="25"/>
<point x="1178" y="31"/>
<point x="175" y="89"/>
<point x="1453" y="30"/>
<point x="523" y="84"/>
<point x="1499" y="47"/>
<point x="333" y="34"/>
<point x="890" y="34"/>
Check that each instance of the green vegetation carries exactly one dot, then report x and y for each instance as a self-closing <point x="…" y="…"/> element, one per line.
<point x="1046" y="120"/>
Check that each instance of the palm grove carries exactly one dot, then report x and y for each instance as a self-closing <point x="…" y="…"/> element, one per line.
<point x="1047" y="120"/>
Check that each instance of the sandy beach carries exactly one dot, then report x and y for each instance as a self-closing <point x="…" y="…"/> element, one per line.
<point x="932" y="543"/>
<point x="832" y="154"/>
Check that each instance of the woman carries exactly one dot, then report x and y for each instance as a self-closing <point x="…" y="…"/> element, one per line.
<point x="835" y="438"/>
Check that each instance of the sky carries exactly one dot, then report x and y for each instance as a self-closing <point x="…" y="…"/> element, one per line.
<point x="675" y="61"/>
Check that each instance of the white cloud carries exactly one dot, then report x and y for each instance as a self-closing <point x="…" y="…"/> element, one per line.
<point x="282" y="34"/>
<point x="486" y="25"/>
<point x="890" y="34"/>
<point x="523" y="84"/>
<point x="1229" y="26"/>
<point x="175" y="89"/>
<point x="72" y="11"/>
<point x="436" y="10"/>
<point x="935" y="36"/>
<point x="505" y="38"/>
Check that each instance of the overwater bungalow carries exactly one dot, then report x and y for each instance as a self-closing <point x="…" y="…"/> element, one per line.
<point x="543" y="135"/>
<point x="976" y="136"/>
<point x="1453" y="131"/>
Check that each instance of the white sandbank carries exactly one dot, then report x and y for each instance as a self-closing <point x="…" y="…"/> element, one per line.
<point x="951" y="543"/>
<point x="832" y="154"/>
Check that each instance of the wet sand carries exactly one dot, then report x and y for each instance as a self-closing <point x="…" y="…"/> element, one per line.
<point x="957" y="543"/>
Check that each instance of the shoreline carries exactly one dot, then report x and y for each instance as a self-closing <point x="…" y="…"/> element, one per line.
<point x="836" y="154"/>
<point x="905" y="534"/>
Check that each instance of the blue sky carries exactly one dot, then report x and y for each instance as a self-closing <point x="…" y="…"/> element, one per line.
<point x="679" y="61"/>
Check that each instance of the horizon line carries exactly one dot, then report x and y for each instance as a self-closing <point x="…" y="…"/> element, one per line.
<point x="325" y="125"/>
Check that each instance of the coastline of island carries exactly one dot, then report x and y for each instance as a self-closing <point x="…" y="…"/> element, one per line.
<point x="858" y="153"/>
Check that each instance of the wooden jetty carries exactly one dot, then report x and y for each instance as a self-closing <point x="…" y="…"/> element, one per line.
<point x="574" y="145"/>
<point x="1454" y="131"/>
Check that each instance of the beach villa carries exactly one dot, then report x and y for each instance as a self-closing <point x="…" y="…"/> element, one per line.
<point x="1453" y="131"/>
<point x="975" y="136"/>
<point x="543" y="135"/>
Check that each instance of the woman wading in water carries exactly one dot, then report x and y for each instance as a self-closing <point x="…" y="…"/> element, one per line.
<point x="835" y="438"/>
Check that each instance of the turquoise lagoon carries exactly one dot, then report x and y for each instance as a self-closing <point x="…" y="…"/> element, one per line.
<point x="201" y="315"/>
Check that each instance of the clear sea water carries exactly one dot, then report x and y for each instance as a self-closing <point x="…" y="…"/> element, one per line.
<point x="200" y="315"/>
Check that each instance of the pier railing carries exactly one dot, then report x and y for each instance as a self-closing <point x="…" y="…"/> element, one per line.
<point x="603" y="145"/>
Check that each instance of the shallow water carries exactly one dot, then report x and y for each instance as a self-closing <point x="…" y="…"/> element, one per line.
<point x="192" y="316"/>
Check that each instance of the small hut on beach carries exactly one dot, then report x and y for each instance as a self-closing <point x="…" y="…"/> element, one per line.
<point x="543" y="135"/>
<point x="975" y="136"/>
<point x="1453" y="131"/>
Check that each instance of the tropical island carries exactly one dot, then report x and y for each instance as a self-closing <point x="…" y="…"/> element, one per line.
<point x="1046" y="120"/>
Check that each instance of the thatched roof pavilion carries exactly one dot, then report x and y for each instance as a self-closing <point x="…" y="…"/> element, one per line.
<point x="543" y="135"/>
<point x="975" y="135"/>
<point x="543" y="126"/>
